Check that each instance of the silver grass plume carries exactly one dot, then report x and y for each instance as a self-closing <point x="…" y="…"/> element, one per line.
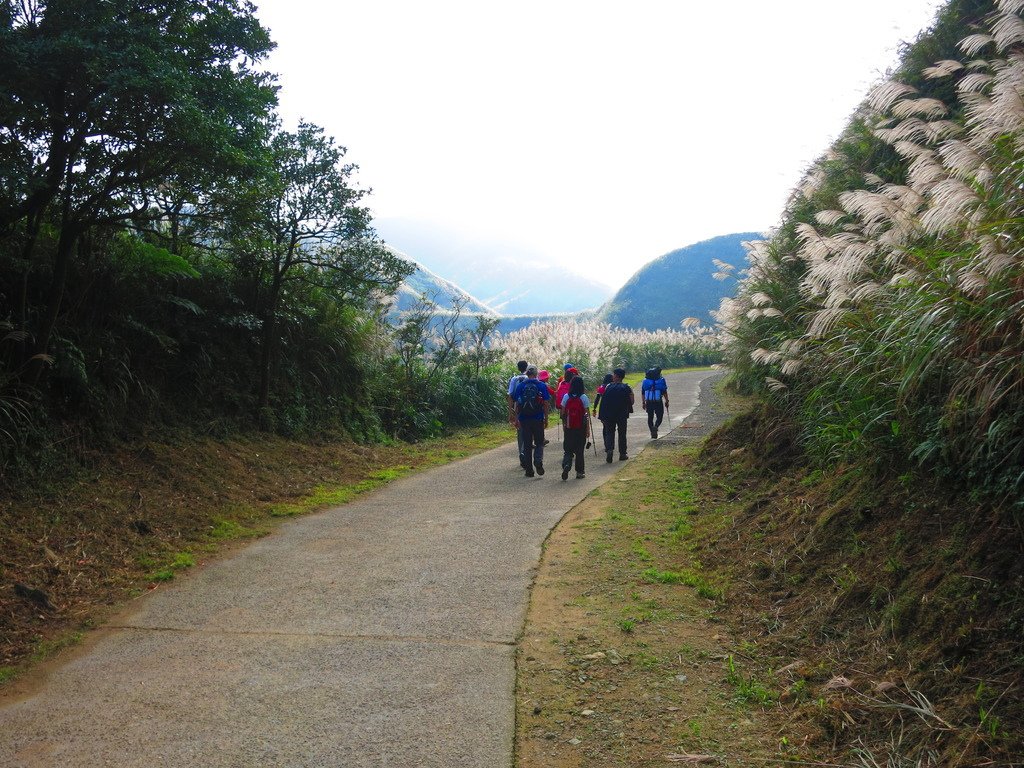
<point x="884" y="95"/>
<point x="973" y="44"/>
<point x="830" y="218"/>
<point x="952" y="201"/>
<point x="1008" y="30"/>
<point x="943" y="68"/>
<point x="928" y="108"/>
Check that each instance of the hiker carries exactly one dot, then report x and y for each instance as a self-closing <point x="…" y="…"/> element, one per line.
<point x="654" y="392"/>
<point x="576" y="427"/>
<point x="514" y="382"/>
<point x="600" y="391"/>
<point x="546" y="378"/>
<point x="563" y="386"/>
<point x="616" y="405"/>
<point x="532" y="405"/>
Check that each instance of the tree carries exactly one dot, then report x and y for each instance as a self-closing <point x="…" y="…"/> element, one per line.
<point x="303" y="223"/>
<point x="107" y="101"/>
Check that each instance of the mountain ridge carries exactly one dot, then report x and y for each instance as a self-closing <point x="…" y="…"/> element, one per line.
<point x="643" y="302"/>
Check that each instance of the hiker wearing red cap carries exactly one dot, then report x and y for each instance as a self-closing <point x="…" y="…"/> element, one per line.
<point x="563" y="386"/>
<point x="545" y="376"/>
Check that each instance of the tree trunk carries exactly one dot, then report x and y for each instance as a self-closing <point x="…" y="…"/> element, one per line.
<point x="31" y="233"/>
<point x="69" y="235"/>
<point x="269" y="338"/>
<point x="266" y="358"/>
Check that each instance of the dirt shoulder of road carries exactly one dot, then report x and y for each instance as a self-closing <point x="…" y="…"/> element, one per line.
<point x="726" y="602"/>
<point x="623" y="660"/>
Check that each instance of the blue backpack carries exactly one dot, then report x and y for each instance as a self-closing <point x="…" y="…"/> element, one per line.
<point x="529" y="399"/>
<point x="653" y="388"/>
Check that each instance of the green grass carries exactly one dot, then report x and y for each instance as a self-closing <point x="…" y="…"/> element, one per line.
<point x="229" y="530"/>
<point x="181" y="561"/>
<point x="666" y="371"/>
<point x="685" y="577"/>
<point x="749" y="690"/>
<point x="334" y="495"/>
<point x="44" y="649"/>
<point x="641" y="552"/>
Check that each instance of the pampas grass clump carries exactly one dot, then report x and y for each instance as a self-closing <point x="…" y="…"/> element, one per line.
<point x="887" y="310"/>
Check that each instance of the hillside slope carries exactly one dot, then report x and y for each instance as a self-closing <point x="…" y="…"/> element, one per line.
<point x="437" y="289"/>
<point x="508" y="277"/>
<point x="677" y="285"/>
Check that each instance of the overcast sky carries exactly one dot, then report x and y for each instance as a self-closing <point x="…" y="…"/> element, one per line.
<point x="595" y="134"/>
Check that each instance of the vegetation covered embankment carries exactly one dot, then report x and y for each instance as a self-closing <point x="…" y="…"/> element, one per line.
<point x="881" y="326"/>
<point x="886" y="611"/>
<point x="884" y="315"/>
<point x="732" y="604"/>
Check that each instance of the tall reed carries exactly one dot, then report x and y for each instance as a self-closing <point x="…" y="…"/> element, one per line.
<point x="886" y="312"/>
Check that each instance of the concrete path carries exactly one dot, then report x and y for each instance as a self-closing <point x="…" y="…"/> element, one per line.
<point x="380" y="633"/>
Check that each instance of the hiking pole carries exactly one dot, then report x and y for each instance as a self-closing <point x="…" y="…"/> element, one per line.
<point x="590" y="423"/>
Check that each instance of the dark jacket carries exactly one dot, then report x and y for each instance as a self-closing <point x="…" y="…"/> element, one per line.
<point x="616" y="403"/>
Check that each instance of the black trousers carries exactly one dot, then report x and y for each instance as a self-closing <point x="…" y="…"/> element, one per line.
<point x="610" y="426"/>
<point x="655" y="413"/>
<point x="574" y="446"/>
<point x="532" y="431"/>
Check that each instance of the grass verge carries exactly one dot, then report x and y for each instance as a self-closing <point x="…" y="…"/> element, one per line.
<point x="725" y="604"/>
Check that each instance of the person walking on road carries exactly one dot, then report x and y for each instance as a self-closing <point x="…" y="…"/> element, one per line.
<point x="514" y="382"/>
<point x="563" y="386"/>
<point x="600" y="391"/>
<point x="616" y="405"/>
<point x="545" y="377"/>
<point x="576" y="428"/>
<point x="654" y="391"/>
<point x="533" y="402"/>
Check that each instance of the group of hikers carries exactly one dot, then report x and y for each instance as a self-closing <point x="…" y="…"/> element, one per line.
<point x="530" y="394"/>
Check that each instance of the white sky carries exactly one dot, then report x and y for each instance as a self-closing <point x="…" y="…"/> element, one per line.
<point x="598" y="134"/>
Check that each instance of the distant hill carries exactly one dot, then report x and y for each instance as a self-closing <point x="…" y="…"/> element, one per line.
<point x="507" y="278"/>
<point x="442" y="292"/>
<point x="677" y="285"/>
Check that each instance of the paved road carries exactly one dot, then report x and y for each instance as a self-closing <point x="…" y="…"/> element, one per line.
<point x="381" y="633"/>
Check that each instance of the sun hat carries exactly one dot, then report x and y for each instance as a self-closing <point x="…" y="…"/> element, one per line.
<point x="571" y="370"/>
<point x="544" y="375"/>
<point x="567" y="366"/>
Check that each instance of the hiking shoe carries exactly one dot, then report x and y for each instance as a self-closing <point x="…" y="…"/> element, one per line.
<point x="565" y="474"/>
<point x="580" y="475"/>
<point x="547" y="442"/>
<point x="540" y="469"/>
<point x="623" y="457"/>
<point x="654" y="434"/>
<point x="608" y="457"/>
<point x="529" y="473"/>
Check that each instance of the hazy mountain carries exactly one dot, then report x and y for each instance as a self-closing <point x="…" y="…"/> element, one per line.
<point x="506" y="278"/>
<point x="442" y="292"/>
<point x="677" y="285"/>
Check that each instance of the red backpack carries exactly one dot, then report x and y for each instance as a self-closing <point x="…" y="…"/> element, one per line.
<point x="575" y="413"/>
